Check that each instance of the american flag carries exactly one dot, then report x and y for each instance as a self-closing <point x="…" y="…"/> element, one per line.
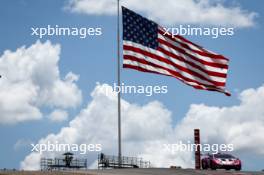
<point x="147" y="47"/>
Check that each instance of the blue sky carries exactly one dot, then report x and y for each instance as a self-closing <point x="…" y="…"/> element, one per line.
<point x="94" y="59"/>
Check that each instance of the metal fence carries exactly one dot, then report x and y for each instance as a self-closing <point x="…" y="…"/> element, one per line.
<point x="108" y="161"/>
<point x="60" y="164"/>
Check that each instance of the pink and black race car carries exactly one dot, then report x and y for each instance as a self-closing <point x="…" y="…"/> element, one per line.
<point x="221" y="161"/>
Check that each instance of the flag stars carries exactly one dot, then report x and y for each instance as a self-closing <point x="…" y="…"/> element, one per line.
<point x="139" y="29"/>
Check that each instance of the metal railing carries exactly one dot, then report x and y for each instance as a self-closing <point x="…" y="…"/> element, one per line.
<point x="109" y="161"/>
<point x="60" y="164"/>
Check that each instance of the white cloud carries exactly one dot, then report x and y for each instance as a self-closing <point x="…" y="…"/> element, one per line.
<point x="58" y="115"/>
<point x="34" y="160"/>
<point x="146" y="128"/>
<point x="171" y="12"/>
<point x="22" y="143"/>
<point x="30" y="80"/>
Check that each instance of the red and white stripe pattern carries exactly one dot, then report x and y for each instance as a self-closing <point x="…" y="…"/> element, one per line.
<point x="180" y="58"/>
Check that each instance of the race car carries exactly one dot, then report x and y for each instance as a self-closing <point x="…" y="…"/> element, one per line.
<point x="221" y="161"/>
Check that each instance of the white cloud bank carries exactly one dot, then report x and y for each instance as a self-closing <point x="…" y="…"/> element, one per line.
<point x="146" y="128"/>
<point x="30" y="80"/>
<point x="58" y="115"/>
<point x="171" y="12"/>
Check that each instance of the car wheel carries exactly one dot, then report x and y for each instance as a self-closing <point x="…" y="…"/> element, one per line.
<point x="238" y="168"/>
<point x="213" y="166"/>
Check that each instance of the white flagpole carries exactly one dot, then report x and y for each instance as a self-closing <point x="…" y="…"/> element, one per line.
<point x="119" y="93"/>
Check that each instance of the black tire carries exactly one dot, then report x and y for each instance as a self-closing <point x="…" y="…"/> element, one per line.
<point x="238" y="168"/>
<point x="212" y="166"/>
